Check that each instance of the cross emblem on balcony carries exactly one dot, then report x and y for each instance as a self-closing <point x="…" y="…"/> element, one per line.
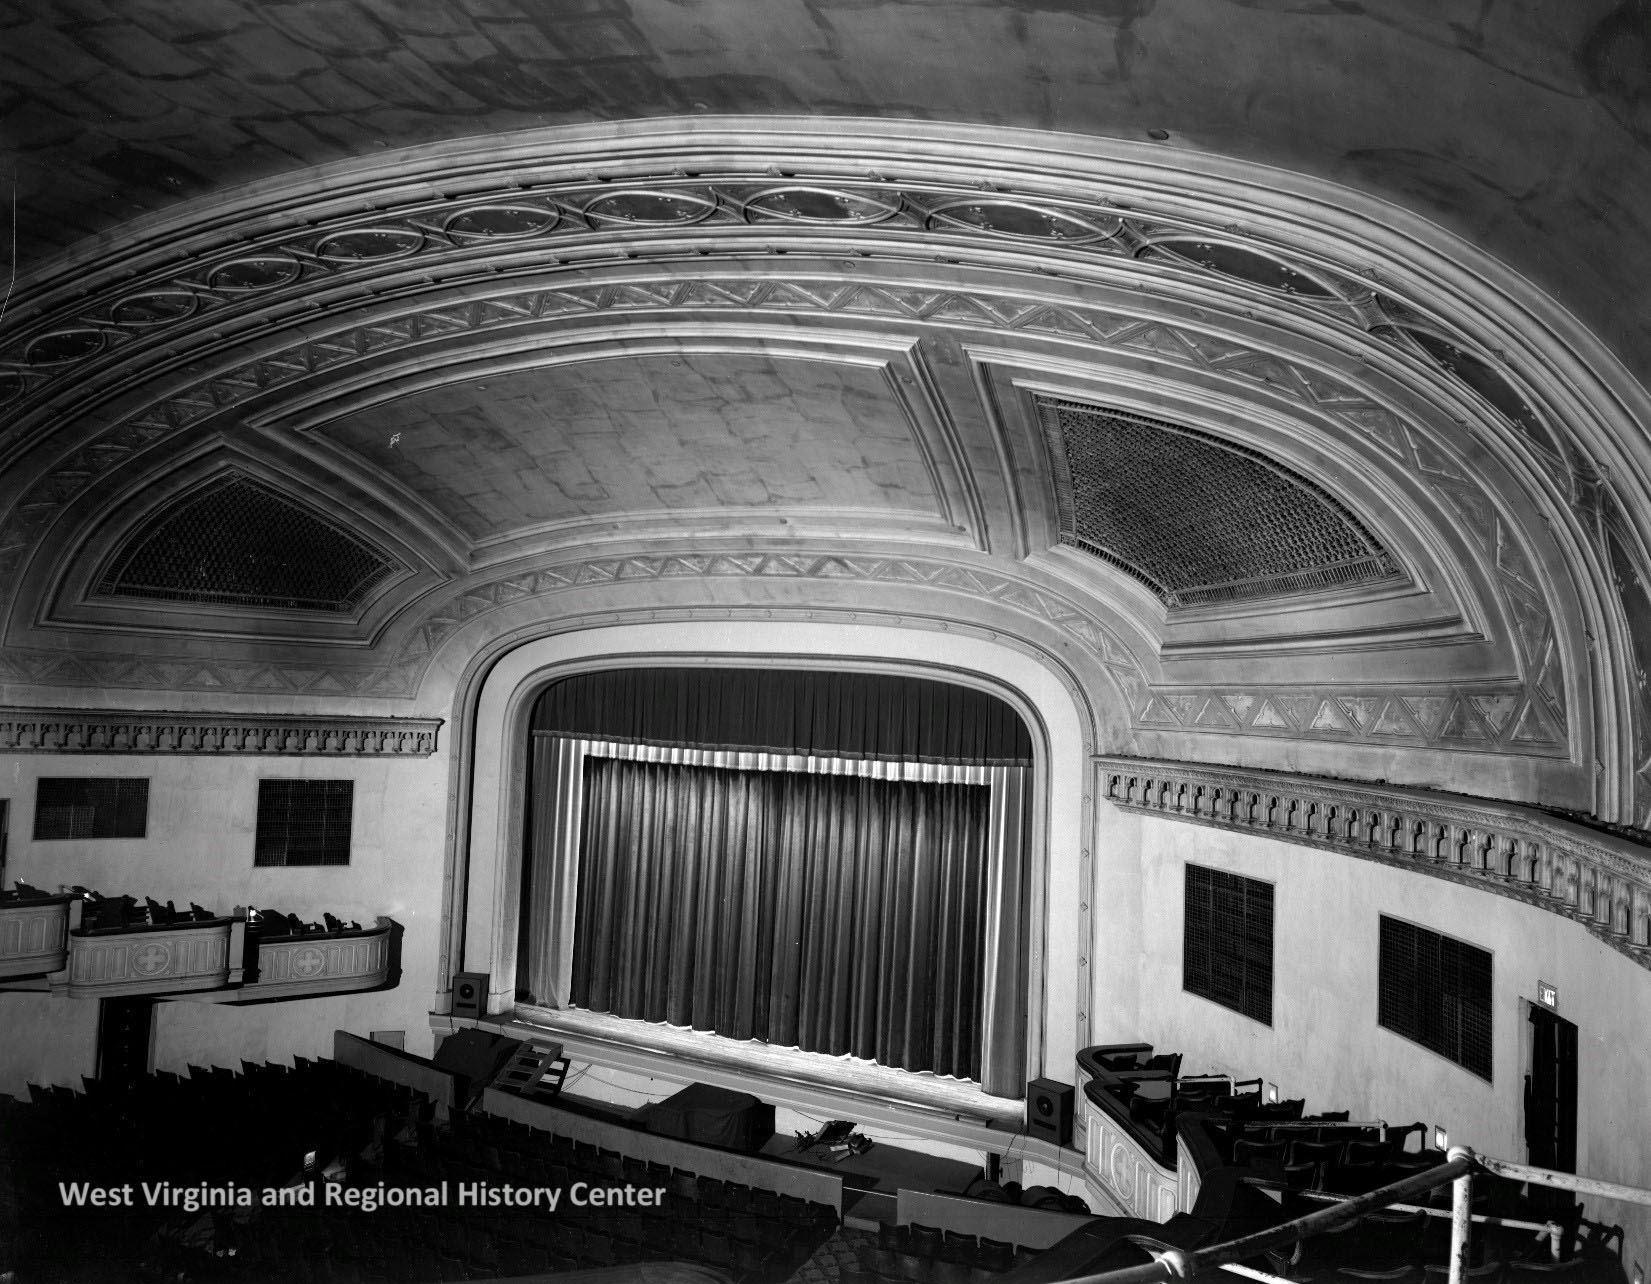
<point x="147" y="960"/>
<point x="308" y="962"/>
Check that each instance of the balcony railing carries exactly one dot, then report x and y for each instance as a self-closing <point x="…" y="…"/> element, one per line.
<point x="45" y="946"/>
<point x="290" y="967"/>
<point x="34" y="934"/>
<point x="155" y="960"/>
<point x="1596" y="879"/>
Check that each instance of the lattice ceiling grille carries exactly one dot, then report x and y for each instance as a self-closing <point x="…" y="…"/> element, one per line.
<point x="1196" y="519"/>
<point x="238" y="542"/>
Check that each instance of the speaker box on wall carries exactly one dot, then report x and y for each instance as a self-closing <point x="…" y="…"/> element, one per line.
<point x="470" y="995"/>
<point x="1049" y="1110"/>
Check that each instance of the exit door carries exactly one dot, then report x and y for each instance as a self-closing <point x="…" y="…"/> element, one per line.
<point x="1550" y="1092"/>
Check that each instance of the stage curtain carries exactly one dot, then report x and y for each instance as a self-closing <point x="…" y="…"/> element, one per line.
<point x="833" y="913"/>
<point x="800" y="711"/>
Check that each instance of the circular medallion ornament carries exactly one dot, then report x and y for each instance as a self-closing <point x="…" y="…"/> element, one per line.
<point x="818" y="205"/>
<point x="1122" y="1179"/>
<point x="659" y="208"/>
<point x="1023" y="222"/>
<point x="254" y="273"/>
<point x="308" y="962"/>
<point x="63" y="346"/>
<point x="1244" y="264"/>
<point x="369" y="244"/>
<point x="499" y="222"/>
<point x="151" y="959"/>
<point x="154" y="307"/>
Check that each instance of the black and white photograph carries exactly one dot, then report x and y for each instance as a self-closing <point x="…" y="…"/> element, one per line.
<point x="825" y="641"/>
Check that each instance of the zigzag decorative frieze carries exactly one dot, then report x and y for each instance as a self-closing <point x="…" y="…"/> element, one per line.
<point x="1599" y="880"/>
<point x="127" y="731"/>
<point x="1510" y="719"/>
<point x="402" y="675"/>
<point x="887" y="570"/>
<point x="1502" y="721"/>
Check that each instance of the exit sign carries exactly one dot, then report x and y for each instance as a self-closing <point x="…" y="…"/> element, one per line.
<point x="1547" y="995"/>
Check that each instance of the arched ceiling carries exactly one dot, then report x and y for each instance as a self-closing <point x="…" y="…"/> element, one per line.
<point x="1522" y="127"/>
<point x="755" y="363"/>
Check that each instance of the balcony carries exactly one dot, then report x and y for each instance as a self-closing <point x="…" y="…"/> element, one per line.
<point x="34" y="932"/>
<point x="80" y="945"/>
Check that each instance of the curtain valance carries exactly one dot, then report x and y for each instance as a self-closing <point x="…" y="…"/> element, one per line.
<point x="799" y="711"/>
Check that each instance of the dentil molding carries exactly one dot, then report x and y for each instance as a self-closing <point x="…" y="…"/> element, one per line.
<point x="128" y="731"/>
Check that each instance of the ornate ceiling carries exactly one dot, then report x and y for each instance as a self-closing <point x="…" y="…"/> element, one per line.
<point x="796" y="365"/>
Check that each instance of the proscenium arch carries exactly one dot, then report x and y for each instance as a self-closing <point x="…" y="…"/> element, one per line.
<point x="1382" y="265"/>
<point x="490" y="753"/>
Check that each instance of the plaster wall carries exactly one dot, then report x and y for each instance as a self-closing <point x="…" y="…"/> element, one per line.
<point x="202" y="818"/>
<point x="1324" y="1043"/>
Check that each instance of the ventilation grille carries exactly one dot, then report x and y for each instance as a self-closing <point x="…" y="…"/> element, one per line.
<point x="1436" y="991"/>
<point x="1196" y="519"/>
<point x="91" y="807"/>
<point x="238" y="542"/>
<point x="1227" y="945"/>
<point x="304" y="822"/>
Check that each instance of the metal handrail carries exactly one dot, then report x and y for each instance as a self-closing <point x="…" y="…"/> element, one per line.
<point x="1183" y="1263"/>
<point x="1564" y="1181"/>
<point x="1458" y="1169"/>
<point x="1550" y="1231"/>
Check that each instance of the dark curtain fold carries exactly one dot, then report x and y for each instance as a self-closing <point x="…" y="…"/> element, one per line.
<point x="831" y="714"/>
<point x="837" y="914"/>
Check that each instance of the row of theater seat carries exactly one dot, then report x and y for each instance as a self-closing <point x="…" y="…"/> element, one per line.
<point x="360" y="1130"/>
<point x="123" y="913"/>
<point x="272" y="923"/>
<point x="748" y="1232"/>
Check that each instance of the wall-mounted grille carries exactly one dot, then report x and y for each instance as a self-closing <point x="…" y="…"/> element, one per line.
<point x="239" y="542"/>
<point x="304" y="822"/>
<point x="91" y="807"/>
<point x="1197" y="519"/>
<point x="1227" y="942"/>
<point x="1436" y="991"/>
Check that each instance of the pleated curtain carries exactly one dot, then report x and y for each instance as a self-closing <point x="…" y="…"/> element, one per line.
<point x="832" y="861"/>
<point x="832" y="913"/>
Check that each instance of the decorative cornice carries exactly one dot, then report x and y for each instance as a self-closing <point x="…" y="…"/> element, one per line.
<point x="1598" y="880"/>
<point x="127" y="731"/>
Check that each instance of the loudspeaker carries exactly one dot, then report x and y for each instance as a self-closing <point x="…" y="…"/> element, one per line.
<point x="470" y="995"/>
<point x="1049" y="1110"/>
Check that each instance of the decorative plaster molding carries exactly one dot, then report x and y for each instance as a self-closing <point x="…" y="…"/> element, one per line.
<point x="1206" y="352"/>
<point x="199" y="956"/>
<point x="1500" y="719"/>
<point x="1468" y="717"/>
<point x="561" y="217"/>
<point x="227" y="274"/>
<point x="34" y="936"/>
<point x="319" y="964"/>
<point x="1125" y="1173"/>
<point x="1598" y="880"/>
<point x="128" y="731"/>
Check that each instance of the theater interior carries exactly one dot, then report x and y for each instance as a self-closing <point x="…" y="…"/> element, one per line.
<point x="978" y="639"/>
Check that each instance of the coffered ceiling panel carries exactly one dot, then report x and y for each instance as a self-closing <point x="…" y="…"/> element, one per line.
<point x="647" y="434"/>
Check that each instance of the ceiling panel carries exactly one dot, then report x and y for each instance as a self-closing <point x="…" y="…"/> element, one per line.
<point x="644" y="435"/>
